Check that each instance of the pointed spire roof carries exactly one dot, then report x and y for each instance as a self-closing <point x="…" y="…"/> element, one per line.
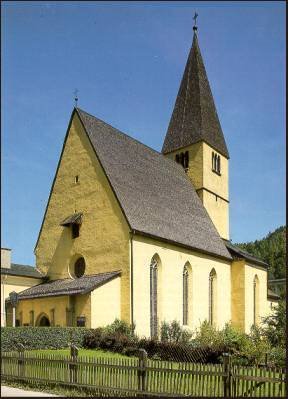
<point x="194" y="117"/>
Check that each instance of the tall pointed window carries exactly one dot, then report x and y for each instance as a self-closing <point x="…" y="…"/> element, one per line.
<point x="212" y="296"/>
<point x="154" y="298"/>
<point x="186" y="294"/>
<point x="255" y="300"/>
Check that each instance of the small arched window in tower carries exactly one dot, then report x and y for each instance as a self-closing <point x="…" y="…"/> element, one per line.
<point x="212" y="296"/>
<point x="255" y="300"/>
<point x="183" y="159"/>
<point x="186" y="160"/>
<point x="79" y="267"/>
<point x="218" y="164"/>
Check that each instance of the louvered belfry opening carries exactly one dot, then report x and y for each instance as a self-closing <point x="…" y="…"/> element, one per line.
<point x="153" y="298"/>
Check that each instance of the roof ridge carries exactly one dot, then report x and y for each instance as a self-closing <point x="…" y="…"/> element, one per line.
<point x="120" y="131"/>
<point x="162" y="156"/>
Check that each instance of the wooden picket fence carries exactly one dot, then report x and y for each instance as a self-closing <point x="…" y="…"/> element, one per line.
<point x="142" y="376"/>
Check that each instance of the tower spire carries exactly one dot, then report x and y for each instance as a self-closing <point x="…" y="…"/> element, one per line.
<point x="194" y="116"/>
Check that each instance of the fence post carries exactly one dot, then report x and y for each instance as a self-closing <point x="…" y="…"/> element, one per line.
<point x="21" y="364"/>
<point x="227" y="377"/>
<point x="142" y="372"/>
<point x="73" y="367"/>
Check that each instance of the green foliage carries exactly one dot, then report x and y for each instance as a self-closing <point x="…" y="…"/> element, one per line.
<point x="173" y="332"/>
<point x="207" y="335"/>
<point x="272" y="249"/>
<point x="254" y="347"/>
<point x="41" y="337"/>
<point x="120" y="327"/>
<point x="245" y="349"/>
<point x="274" y="326"/>
<point x="277" y="356"/>
<point x="115" y="337"/>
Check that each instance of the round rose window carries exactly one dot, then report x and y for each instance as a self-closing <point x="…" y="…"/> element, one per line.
<point x="79" y="267"/>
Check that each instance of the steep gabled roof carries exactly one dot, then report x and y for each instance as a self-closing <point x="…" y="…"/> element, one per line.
<point x="194" y="117"/>
<point x="155" y="195"/>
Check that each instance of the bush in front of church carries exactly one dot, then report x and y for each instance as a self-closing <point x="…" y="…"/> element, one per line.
<point x="41" y="337"/>
<point x="173" y="332"/>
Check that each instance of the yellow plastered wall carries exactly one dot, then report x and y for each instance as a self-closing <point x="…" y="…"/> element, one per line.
<point x="211" y="181"/>
<point x="104" y="236"/>
<point x="215" y="200"/>
<point x="195" y="170"/>
<point x="170" y="283"/>
<point x="105" y="303"/>
<point x="14" y="283"/>
<point x="250" y="272"/>
<point x="83" y="308"/>
<point x="212" y="189"/>
<point x="218" y="210"/>
<point x="44" y="305"/>
<point x="238" y="294"/>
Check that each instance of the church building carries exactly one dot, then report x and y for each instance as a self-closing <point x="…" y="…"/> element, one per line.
<point x="143" y="236"/>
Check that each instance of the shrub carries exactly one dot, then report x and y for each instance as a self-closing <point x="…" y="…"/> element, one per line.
<point x="277" y="356"/>
<point x="92" y="339"/>
<point x="42" y="337"/>
<point x="207" y="335"/>
<point x="254" y="347"/>
<point x="120" y="327"/>
<point x="173" y="332"/>
<point x="274" y="326"/>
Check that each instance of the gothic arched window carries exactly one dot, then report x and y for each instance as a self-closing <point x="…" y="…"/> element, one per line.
<point x="154" y="298"/>
<point x="255" y="300"/>
<point x="212" y="296"/>
<point x="186" y="289"/>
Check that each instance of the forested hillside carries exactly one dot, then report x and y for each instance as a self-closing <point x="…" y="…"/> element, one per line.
<point x="272" y="249"/>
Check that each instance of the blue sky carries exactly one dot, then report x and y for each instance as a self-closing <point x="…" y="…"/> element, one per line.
<point x="127" y="60"/>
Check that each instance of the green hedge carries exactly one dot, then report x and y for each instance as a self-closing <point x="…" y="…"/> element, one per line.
<point x="41" y="337"/>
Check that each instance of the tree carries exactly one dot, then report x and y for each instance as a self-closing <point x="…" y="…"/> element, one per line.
<point x="274" y="326"/>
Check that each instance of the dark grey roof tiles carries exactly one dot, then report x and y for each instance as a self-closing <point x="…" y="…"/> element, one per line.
<point x="68" y="286"/>
<point x="237" y="252"/>
<point x="21" y="270"/>
<point x="154" y="192"/>
<point x="194" y="117"/>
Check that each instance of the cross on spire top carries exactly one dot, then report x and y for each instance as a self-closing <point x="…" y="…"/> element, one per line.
<point x="195" y="21"/>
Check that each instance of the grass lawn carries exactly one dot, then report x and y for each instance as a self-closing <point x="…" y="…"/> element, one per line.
<point x="90" y="353"/>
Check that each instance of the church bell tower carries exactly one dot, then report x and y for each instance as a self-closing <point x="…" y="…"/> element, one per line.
<point x="195" y="139"/>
